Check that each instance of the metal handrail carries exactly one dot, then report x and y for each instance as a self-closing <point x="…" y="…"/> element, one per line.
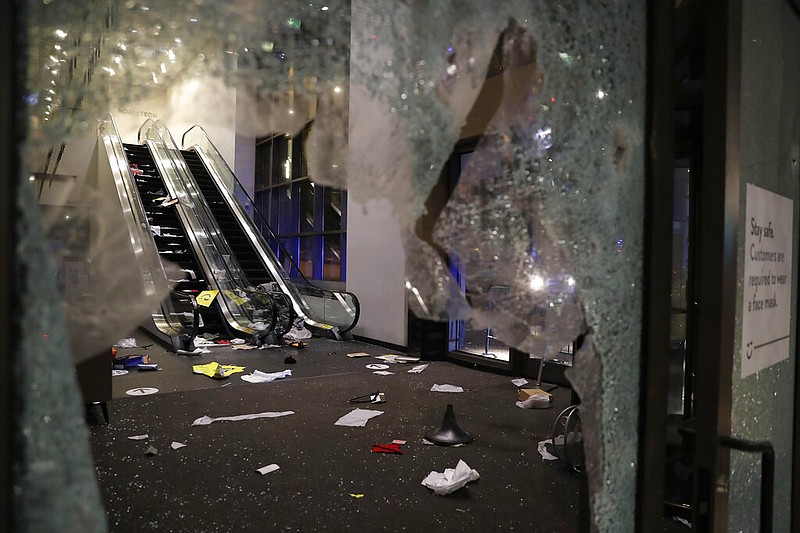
<point x="767" y="452"/>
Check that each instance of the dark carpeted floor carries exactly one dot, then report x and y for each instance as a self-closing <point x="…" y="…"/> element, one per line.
<point x="212" y="483"/>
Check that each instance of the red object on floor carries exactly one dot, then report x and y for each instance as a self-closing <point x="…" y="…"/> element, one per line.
<point x="387" y="448"/>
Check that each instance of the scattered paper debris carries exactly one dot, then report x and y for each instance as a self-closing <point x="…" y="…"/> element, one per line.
<point x="264" y="377"/>
<point x="151" y="450"/>
<point x="358" y="354"/>
<point x="418" y="368"/>
<point x="269" y="346"/>
<point x="533" y="399"/>
<point x="451" y="479"/>
<point x="377" y="366"/>
<point x="139" y="437"/>
<point x="177" y="445"/>
<point x="126" y="343"/>
<point x="394" y="358"/>
<point x="267" y="469"/>
<point x="519" y="382"/>
<point x="534" y="402"/>
<point x="196" y="351"/>
<point x="542" y="447"/>
<point x="446" y="388"/>
<point x="118" y="372"/>
<point x="216" y="370"/>
<point x="356" y="495"/>
<point x="238" y="341"/>
<point x="243" y="347"/>
<point x="206" y="420"/>
<point x="383" y="373"/>
<point x="398" y="441"/>
<point x="357" y="417"/>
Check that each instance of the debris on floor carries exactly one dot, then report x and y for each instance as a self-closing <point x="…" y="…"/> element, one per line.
<point x="358" y="354"/>
<point x="207" y="420"/>
<point x="377" y="366"/>
<point x="534" y="399"/>
<point x="373" y="397"/>
<point x="139" y="437"/>
<point x="357" y="417"/>
<point x="118" y="372"/>
<point x="265" y="377"/>
<point x="216" y="370"/>
<point x="451" y="479"/>
<point x="196" y="351"/>
<point x="446" y="388"/>
<point x="267" y="469"/>
<point x="387" y="448"/>
<point x="177" y="445"/>
<point x="383" y="373"/>
<point x="126" y="343"/>
<point x="298" y="331"/>
<point x="542" y="447"/>
<point x="151" y="450"/>
<point x="356" y="496"/>
<point x="418" y="368"/>
<point x="123" y="362"/>
<point x="394" y="358"/>
<point x="519" y="382"/>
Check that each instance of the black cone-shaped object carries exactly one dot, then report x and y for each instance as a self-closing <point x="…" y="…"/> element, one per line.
<point x="448" y="433"/>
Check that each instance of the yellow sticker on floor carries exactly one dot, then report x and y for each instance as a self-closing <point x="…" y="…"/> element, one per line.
<point x="206" y="297"/>
<point x="356" y="495"/>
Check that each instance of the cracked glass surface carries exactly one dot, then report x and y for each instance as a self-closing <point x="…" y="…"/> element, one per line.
<point x="550" y="204"/>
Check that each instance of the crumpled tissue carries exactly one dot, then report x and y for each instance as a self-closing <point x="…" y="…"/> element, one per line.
<point x="451" y="479"/>
<point x="265" y="377"/>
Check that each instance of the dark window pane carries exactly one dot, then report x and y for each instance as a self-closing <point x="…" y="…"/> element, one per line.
<point x="333" y="209"/>
<point x="306" y="206"/>
<point x="287" y="222"/>
<point x="306" y="261"/>
<point x="332" y="269"/>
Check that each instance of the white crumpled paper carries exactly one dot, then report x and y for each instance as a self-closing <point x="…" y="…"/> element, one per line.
<point x="446" y="388"/>
<point x="357" y="417"/>
<point x="451" y="479"/>
<point x="536" y="401"/>
<point x="265" y="377"/>
<point x="206" y="420"/>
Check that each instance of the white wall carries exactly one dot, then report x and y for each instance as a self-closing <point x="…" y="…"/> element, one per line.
<point x="376" y="271"/>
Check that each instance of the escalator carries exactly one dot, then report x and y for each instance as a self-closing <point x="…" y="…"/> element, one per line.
<point x="171" y="240"/>
<point x="234" y="234"/>
<point x="187" y="271"/>
<point x="255" y="251"/>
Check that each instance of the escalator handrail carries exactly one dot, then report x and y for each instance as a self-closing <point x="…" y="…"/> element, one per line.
<point x="154" y="275"/>
<point x="219" y="164"/>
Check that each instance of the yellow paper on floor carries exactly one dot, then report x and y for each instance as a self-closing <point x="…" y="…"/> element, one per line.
<point x="216" y="370"/>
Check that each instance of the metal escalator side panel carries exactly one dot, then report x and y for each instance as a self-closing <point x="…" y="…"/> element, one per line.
<point x="154" y="278"/>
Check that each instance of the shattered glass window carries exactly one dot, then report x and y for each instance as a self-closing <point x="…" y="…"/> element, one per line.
<point x="550" y="203"/>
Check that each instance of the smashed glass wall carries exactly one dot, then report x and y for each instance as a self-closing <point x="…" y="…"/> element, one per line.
<point x="763" y="401"/>
<point x="550" y="204"/>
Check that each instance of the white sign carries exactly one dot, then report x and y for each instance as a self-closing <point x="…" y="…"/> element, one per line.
<point x="767" y="286"/>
